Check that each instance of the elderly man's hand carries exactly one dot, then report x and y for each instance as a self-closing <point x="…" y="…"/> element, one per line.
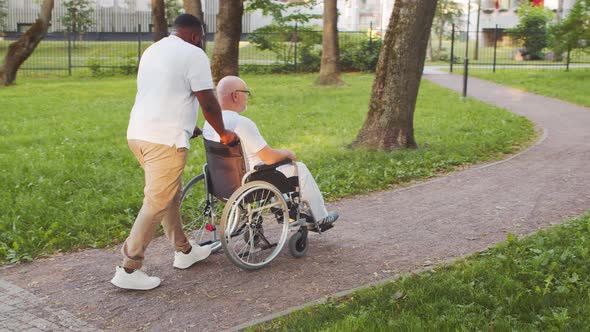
<point x="291" y="155"/>
<point x="229" y="138"/>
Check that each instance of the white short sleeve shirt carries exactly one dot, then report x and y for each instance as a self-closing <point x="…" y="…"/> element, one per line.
<point x="165" y="109"/>
<point x="250" y="137"/>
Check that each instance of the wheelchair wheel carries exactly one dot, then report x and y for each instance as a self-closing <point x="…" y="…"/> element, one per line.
<point x="197" y="209"/>
<point x="298" y="244"/>
<point x="252" y="234"/>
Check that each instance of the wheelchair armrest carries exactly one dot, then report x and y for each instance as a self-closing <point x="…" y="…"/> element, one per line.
<point x="264" y="167"/>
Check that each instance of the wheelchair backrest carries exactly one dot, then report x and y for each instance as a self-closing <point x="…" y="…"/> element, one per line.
<point x="226" y="168"/>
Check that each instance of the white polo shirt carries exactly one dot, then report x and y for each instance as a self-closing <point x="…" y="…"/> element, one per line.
<point x="165" y="109"/>
<point x="247" y="131"/>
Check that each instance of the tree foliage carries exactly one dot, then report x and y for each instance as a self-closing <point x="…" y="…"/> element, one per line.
<point x="574" y="31"/>
<point x="278" y="11"/>
<point x="3" y="14"/>
<point x="78" y="16"/>
<point x="173" y="9"/>
<point x="447" y="12"/>
<point x="532" y="29"/>
<point x="281" y="39"/>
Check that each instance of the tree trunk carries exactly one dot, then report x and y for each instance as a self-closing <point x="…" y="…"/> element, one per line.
<point x="194" y="7"/>
<point x="330" y="66"/>
<point x="476" y="49"/>
<point x="227" y="39"/>
<point x="20" y="50"/>
<point x="390" y="120"/>
<point x="429" y="51"/>
<point x="440" y="37"/>
<point x="160" y="26"/>
<point x="559" y="11"/>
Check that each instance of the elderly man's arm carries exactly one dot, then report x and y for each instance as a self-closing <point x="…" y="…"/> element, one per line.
<point x="271" y="156"/>
<point x="212" y="112"/>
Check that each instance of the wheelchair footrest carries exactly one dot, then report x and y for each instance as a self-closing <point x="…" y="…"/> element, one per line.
<point x="322" y="228"/>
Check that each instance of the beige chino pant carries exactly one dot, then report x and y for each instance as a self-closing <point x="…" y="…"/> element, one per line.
<point x="163" y="166"/>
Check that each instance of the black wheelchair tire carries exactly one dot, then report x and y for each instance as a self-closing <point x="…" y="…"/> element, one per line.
<point x="298" y="244"/>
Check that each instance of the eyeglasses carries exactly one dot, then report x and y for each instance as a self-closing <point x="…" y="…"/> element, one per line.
<point x="245" y="91"/>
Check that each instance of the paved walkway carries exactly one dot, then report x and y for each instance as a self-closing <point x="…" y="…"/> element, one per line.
<point x="379" y="236"/>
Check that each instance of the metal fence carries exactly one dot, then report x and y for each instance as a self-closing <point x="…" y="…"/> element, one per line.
<point x="498" y="48"/>
<point x="103" y="53"/>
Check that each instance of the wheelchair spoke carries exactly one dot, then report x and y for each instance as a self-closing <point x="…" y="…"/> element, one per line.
<point x="252" y="211"/>
<point x="253" y="237"/>
<point x="197" y="210"/>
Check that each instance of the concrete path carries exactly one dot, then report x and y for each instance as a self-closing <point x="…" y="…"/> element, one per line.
<point x="378" y="237"/>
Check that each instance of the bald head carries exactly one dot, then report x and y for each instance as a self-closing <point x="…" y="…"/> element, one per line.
<point x="232" y="95"/>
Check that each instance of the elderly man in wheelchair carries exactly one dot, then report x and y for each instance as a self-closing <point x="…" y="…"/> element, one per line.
<point x="267" y="193"/>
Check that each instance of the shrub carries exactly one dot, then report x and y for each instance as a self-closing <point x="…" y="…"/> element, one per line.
<point x="129" y="64"/>
<point x="532" y="29"/>
<point x="275" y="68"/>
<point x="282" y="41"/>
<point x="356" y="54"/>
<point x="95" y="67"/>
<point x="360" y="55"/>
<point x="574" y="31"/>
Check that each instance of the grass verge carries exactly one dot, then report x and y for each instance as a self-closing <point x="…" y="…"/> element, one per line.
<point x="69" y="181"/>
<point x="572" y="86"/>
<point x="538" y="283"/>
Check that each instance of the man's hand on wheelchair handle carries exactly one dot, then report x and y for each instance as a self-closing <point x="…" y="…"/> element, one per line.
<point x="196" y="132"/>
<point x="229" y="138"/>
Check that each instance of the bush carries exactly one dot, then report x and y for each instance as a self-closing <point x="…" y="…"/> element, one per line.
<point x="309" y="60"/>
<point x="95" y="67"/>
<point x="275" y="68"/>
<point x="130" y="64"/>
<point x="360" y="55"/>
<point x="532" y="29"/>
<point x="356" y="54"/>
<point x="574" y="31"/>
<point x="283" y="40"/>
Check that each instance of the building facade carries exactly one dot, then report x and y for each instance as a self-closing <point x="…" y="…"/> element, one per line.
<point x="361" y="15"/>
<point x="123" y="16"/>
<point x="504" y="12"/>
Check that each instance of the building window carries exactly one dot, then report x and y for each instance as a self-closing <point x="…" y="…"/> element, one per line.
<point x="488" y="4"/>
<point x="503" y="4"/>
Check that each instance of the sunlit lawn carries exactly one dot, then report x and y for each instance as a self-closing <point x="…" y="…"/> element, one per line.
<point x="572" y="86"/>
<point x="68" y="179"/>
<point x="538" y="283"/>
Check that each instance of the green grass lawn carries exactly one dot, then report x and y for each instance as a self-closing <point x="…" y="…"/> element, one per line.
<point x="69" y="181"/>
<point x="538" y="283"/>
<point x="572" y="86"/>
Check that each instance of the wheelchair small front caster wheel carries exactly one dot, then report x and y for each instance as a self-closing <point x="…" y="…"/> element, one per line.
<point x="298" y="243"/>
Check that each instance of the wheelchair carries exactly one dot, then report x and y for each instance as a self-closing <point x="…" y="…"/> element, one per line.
<point x="248" y="214"/>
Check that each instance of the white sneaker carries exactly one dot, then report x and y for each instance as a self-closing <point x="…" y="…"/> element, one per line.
<point x="198" y="253"/>
<point x="137" y="280"/>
